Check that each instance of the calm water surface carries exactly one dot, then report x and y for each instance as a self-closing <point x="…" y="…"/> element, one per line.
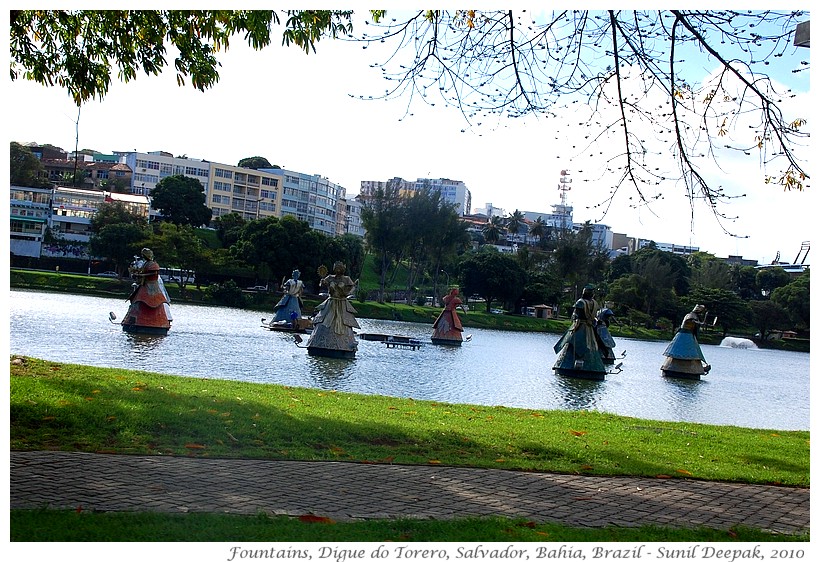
<point x="747" y="387"/>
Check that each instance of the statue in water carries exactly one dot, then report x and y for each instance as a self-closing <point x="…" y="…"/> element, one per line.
<point x="578" y="353"/>
<point x="150" y="311"/>
<point x="333" y="324"/>
<point x="447" y="328"/>
<point x="289" y="308"/>
<point x="684" y="358"/>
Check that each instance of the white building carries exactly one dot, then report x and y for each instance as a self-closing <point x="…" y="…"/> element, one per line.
<point x="29" y="213"/>
<point x="453" y="192"/>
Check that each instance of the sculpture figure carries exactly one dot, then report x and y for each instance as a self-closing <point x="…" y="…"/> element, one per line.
<point x="447" y="328"/>
<point x="150" y="311"/>
<point x="289" y="307"/>
<point x="578" y="353"/>
<point x="684" y="358"/>
<point x="606" y="343"/>
<point x="333" y="324"/>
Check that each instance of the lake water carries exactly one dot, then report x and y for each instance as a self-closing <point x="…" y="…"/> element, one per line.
<point x="746" y="387"/>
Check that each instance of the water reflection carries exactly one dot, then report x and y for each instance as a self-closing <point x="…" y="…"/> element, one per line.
<point x="329" y="373"/>
<point x="746" y="387"/>
<point x="579" y="394"/>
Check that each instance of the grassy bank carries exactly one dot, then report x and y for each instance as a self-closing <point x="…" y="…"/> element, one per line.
<point x="58" y="406"/>
<point x="74" y="407"/>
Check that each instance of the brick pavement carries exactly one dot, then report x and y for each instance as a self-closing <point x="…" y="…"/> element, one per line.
<point x="351" y="491"/>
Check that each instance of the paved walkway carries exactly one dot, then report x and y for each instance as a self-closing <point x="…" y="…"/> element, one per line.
<point x="345" y="491"/>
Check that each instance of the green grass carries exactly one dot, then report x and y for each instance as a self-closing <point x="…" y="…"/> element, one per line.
<point x="73" y="407"/>
<point x="59" y="525"/>
<point x="58" y="406"/>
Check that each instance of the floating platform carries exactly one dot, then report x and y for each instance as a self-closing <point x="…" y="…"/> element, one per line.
<point x="334" y="353"/>
<point x="147" y="330"/>
<point x="578" y="374"/>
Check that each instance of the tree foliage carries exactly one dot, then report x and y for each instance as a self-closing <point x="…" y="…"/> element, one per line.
<point x="25" y="169"/>
<point x="181" y="200"/>
<point x="794" y="298"/>
<point x="492" y="275"/>
<point x="118" y="242"/>
<point x="255" y="163"/>
<point x="623" y="73"/>
<point x="115" y="212"/>
<point x="78" y="49"/>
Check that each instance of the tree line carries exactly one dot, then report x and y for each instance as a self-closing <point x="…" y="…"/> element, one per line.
<point x="421" y="235"/>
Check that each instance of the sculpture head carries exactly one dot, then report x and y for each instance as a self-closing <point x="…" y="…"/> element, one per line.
<point x="338" y="268"/>
<point x="454" y="292"/>
<point x="147" y="253"/>
<point x="699" y="308"/>
<point x="588" y="290"/>
<point x="295" y="274"/>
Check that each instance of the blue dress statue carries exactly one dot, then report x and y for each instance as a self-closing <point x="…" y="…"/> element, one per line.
<point x="289" y="307"/>
<point x="606" y="342"/>
<point x="578" y="353"/>
<point x="684" y="359"/>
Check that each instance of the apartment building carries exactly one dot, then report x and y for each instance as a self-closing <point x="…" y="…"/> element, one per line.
<point x="453" y="192"/>
<point x="314" y="199"/>
<point x="30" y="212"/>
<point x="252" y="194"/>
<point x="72" y="211"/>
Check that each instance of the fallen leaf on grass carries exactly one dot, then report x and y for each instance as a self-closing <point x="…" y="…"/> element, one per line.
<point x="194" y="446"/>
<point x="686" y="472"/>
<point x="310" y="518"/>
<point x="577" y="433"/>
<point x="663" y="476"/>
<point x="433" y="461"/>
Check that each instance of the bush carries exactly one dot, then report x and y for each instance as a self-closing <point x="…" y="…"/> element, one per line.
<point x="227" y="293"/>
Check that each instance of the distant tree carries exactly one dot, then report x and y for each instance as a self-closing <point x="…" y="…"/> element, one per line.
<point x="229" y="228"/>
<point x="115" y="212"/>
<point x="770" y="278"/>
<point x="255" y="162"/>
<point x="727" y="307"/>
<point x="744" y="281"/>
<point x="493" y="229"/>
<point x="492" y="275"/>
<point x="275" y="246"/>
<point x="678" y="267"/>
<point x="181" y="200"/>
<point x="384" y="232"/>
<point x="348" y="249"/>
<point x="118" y="242"/>
<point x="179" y="247"/>
<point x="539" y="230"/>
<point x="794" y="298"/>
<point x="618" y="267"/>
<point x="116" y="185"/>
<point x="515" y="222"/>
<point x="768" y="316"/>
<point x="25" y="169"/>
<point x="709" y="272"/>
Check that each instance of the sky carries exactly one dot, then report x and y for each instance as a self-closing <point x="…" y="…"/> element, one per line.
<point x="303" y="113"/>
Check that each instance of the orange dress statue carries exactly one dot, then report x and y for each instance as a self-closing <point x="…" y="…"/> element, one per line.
<point x="149" y="312"/>
<point x="447" y="328"/>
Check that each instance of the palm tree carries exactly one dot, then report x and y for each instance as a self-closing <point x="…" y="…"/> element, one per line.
<point x="514" y="222"/>
<point x="492" y="230"/>
<point x="538" y="229"/>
